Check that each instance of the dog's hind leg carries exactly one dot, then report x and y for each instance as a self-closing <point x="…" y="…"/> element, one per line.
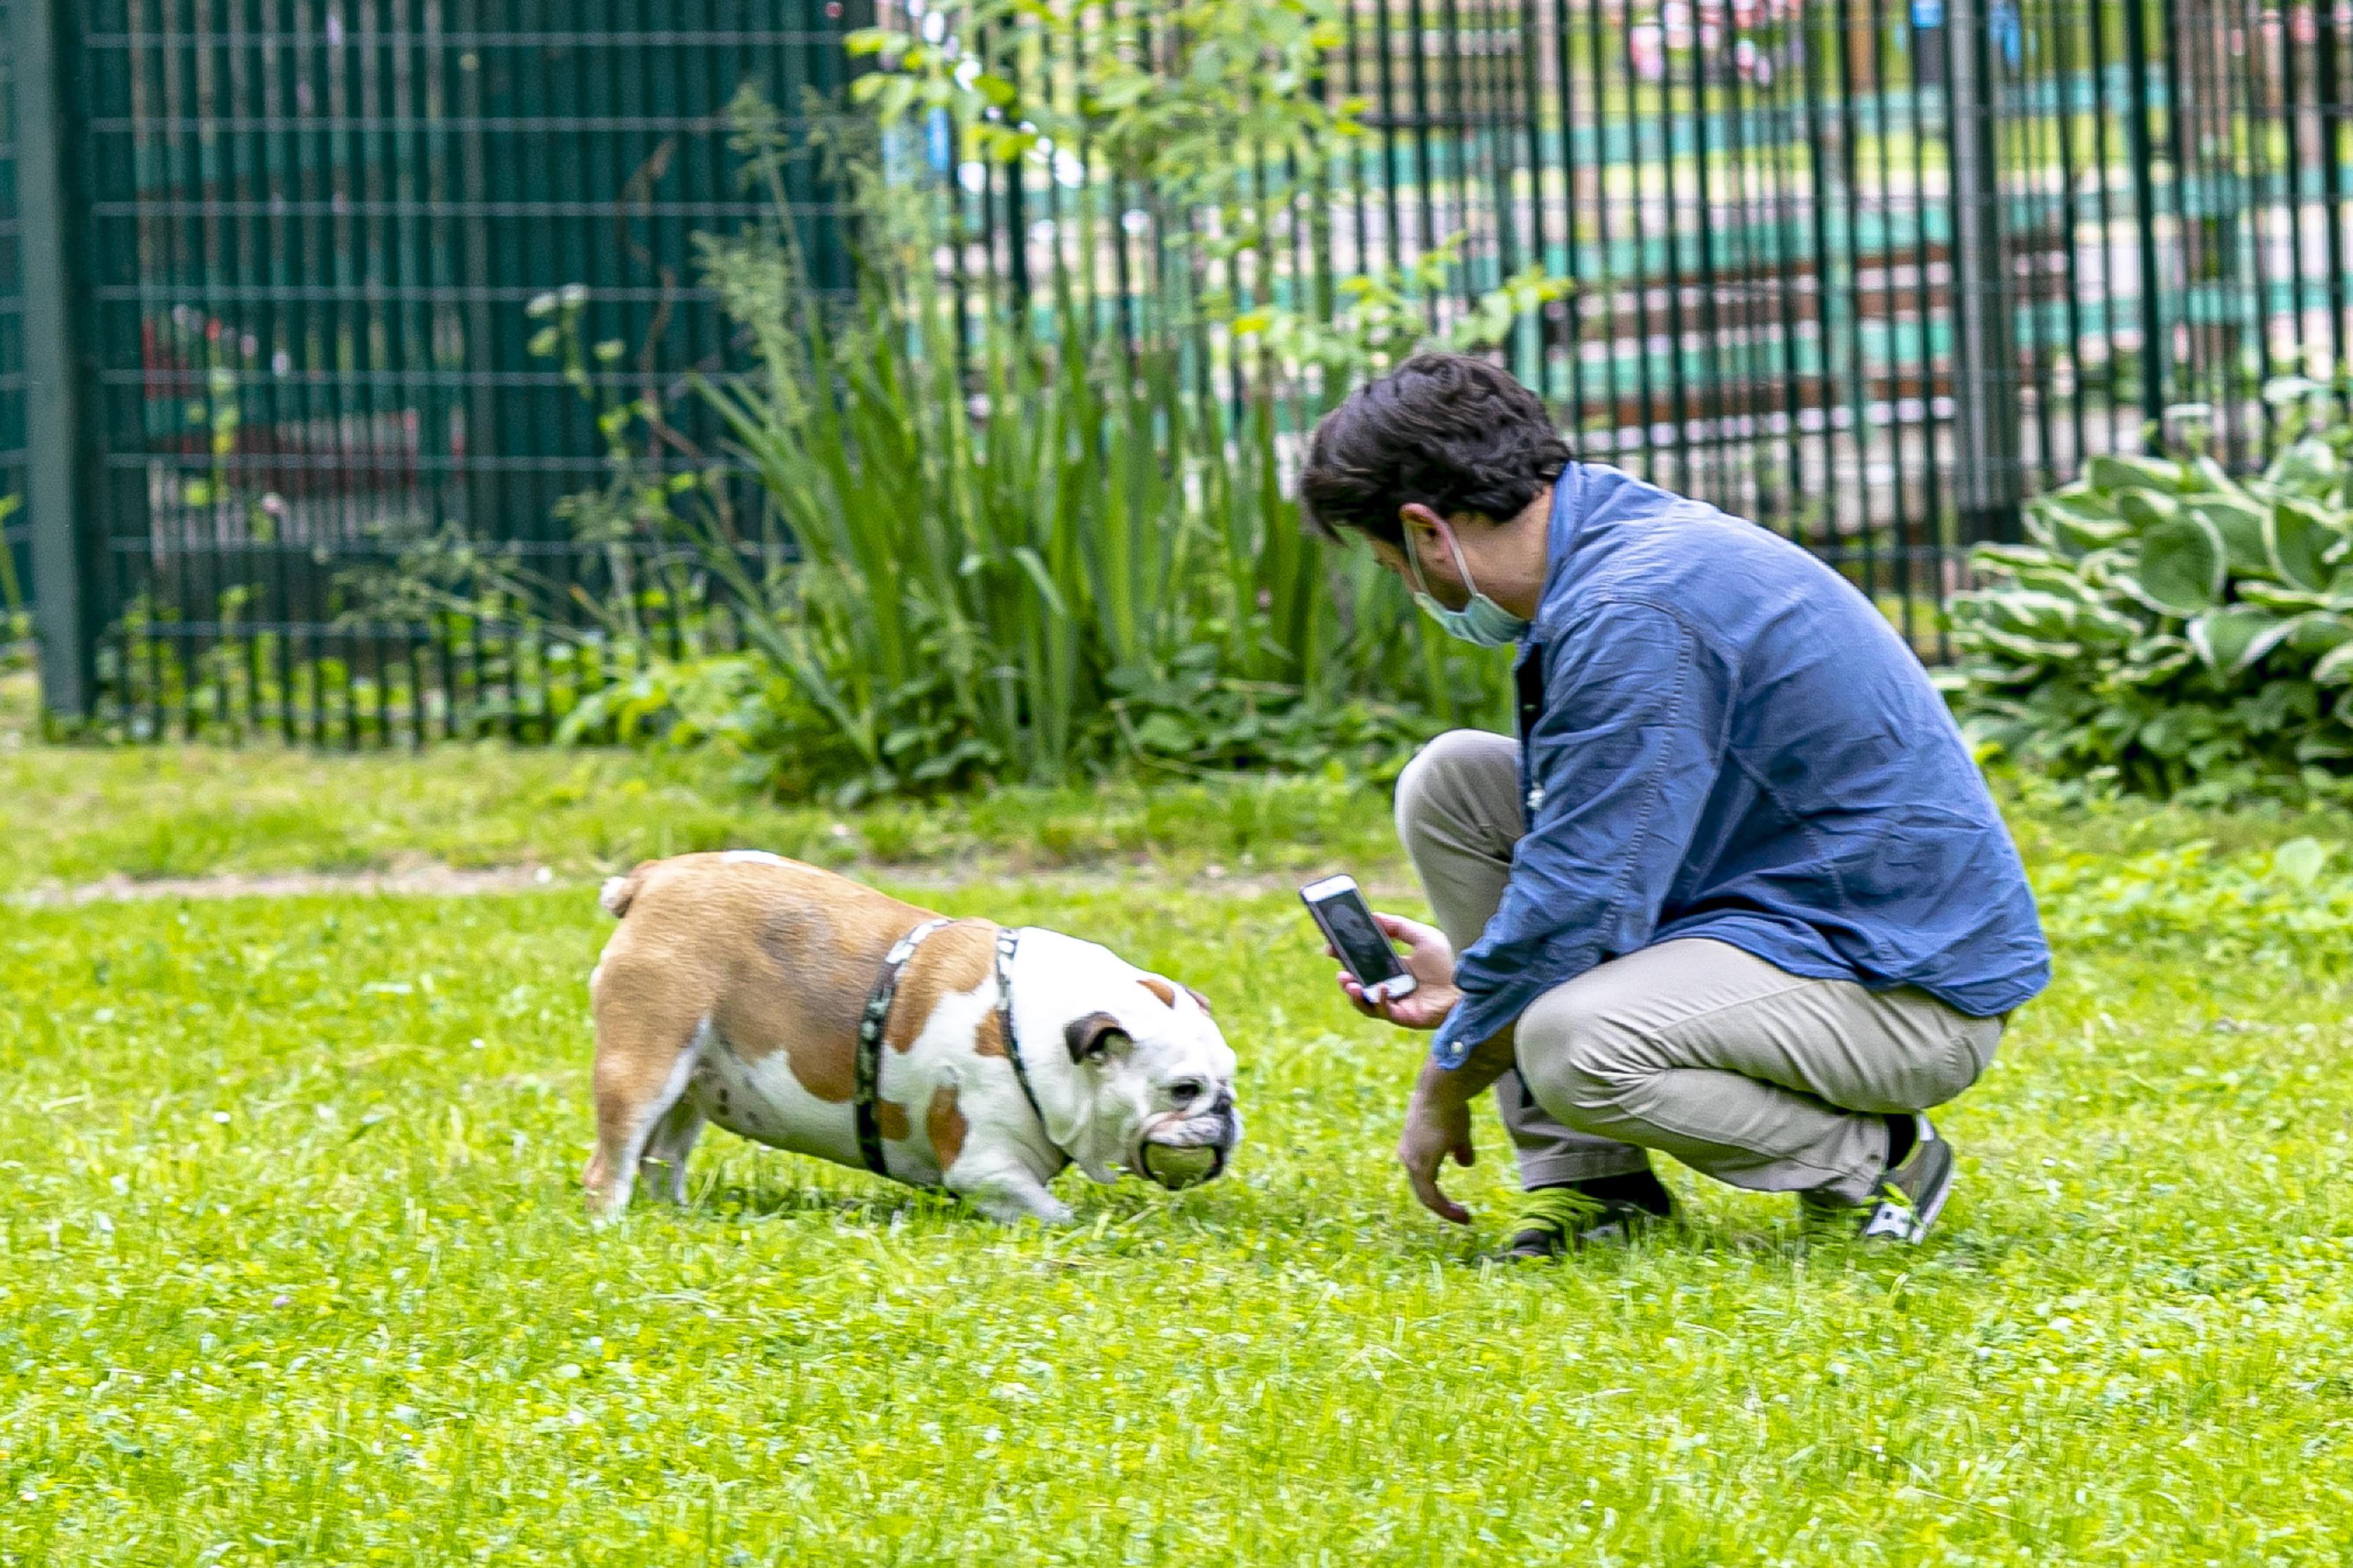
<point x="643" y="1066"/>
<point x="670" y="1144"/>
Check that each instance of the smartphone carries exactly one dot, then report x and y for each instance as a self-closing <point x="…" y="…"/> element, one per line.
<point x="1339" y="908"/>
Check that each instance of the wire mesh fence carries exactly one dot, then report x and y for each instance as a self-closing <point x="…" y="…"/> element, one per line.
<point x="1866" y="271"/>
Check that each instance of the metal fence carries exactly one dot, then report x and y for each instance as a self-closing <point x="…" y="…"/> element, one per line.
<point x="15" y="530"/>
<point x="1868" y="272"/>
<point x="281" y="254"/>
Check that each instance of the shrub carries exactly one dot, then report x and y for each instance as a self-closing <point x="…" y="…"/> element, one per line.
<point x="2171" y="628"/>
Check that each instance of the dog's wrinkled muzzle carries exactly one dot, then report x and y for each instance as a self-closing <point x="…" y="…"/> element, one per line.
<point x="1180" y="1150"/>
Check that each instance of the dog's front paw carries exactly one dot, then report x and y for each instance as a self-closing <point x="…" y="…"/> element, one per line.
<point x="1011" y="1205"/>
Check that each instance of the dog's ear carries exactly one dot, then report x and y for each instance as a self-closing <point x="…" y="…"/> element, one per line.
<point x="1166" y="990"/>
<point x="1095" y="1037"/>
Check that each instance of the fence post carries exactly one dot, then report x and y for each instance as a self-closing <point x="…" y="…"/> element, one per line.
<point x="2140" y="144"/>
<point x="43" y="38"/>
<point x="1986" y="416"/>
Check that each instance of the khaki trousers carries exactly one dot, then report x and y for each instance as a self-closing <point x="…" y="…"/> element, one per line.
<point x="1739" y="1069"/>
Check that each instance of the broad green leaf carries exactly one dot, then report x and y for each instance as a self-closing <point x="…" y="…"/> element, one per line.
<point x="2043" y="616"/>
<point x="2082" y="500"/>
<point x="2335" y="666"/>
<point x="2144" y="510"/>
<point x="2104" y="627"/>
<point x="2318" y="632"/>
<point x="2011" y="558"/>
<point x="2288" y="600"/>
<point x="2299" y="538"/>
<point x="2157" y="661"/>
<point x="2240" y="522"/>
<point x="2028" y="649"/>
<point x="2181" y="567"/>
<point x="2204" y="475"/>
<point x="2235" y="638"/>
<point x="2075" y="520"/>
<point x="2115" y="475"/>
<point x="2310" y="467"/>
<point x="2300" y="861"/>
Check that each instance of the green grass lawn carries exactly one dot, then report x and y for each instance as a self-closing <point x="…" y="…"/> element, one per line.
<point x="293" y="1268"/>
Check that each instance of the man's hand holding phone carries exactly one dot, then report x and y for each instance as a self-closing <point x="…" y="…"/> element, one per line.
<point x="1428" y="957"/>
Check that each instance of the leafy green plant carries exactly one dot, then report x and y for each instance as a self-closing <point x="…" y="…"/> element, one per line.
<point x="2174" y="628"/>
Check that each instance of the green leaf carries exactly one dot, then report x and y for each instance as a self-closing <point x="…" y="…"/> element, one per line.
<point x="2236" y="639"/>
<point x="2144" y="510"/>
<point x="2117" y="475"/>
<point x="2288" y="600"/>
<point x="2318" y="632"/>
<point x="2300" y="861"/>
<point x="2032" y="613"/>
<point x="2335" y="666"/>
<point x="2309" y="468"/>
<point x="2181" y="567"/>
<point x="2029" y="649"/>
<point x="2157" y="660"/>
<point x="2241" y="524"/>
<point x="1036" y="567"/>
<point x="2075" y="520"/>
<point x="2299" y="538"/>
<point x="2011" y="558"/>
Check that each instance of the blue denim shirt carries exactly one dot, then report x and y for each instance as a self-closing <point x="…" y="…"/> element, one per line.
<point x="1720" y="737"/>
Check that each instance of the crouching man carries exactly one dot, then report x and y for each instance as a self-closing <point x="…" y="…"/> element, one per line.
<point x="1736" y="893"/>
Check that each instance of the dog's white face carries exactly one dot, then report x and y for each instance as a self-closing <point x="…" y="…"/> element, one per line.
<point x="1149" y="1063"/>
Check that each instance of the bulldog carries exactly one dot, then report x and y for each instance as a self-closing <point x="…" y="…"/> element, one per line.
<point x="805" y="1011"/>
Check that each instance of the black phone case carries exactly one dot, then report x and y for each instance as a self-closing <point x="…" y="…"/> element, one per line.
<point x="1315" y="912"/>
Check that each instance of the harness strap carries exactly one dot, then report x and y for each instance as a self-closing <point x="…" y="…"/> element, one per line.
<point x="1008" y="940"/>
<point x="867" y="1092"/>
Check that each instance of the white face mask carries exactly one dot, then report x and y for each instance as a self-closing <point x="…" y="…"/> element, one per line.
<point x="1483" y="622"/>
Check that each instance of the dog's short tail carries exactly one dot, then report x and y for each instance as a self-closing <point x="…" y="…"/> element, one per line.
<point x="618" y="891"/>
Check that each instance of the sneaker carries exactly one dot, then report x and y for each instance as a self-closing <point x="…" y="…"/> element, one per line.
<point x="1911" y="1194"/>
<point x="1556" y="1220"/>
<point x="1910" y="1197"/>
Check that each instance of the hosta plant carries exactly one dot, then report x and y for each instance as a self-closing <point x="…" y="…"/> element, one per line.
<point x="2172" y="627"/>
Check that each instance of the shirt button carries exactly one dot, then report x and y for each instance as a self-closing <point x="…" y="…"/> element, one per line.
<point x="1535" y="798"/>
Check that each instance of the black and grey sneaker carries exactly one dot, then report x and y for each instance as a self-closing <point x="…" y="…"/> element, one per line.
<point x="1556" y="1220"/>
<point x="1911" y="1192"/>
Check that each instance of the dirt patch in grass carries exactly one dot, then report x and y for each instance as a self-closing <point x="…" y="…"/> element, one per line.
<point x="428" y="878"/>
<point x="433" y="879"/>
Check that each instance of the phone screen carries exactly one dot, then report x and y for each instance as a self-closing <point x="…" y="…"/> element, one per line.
<point x="1349" y="923"/>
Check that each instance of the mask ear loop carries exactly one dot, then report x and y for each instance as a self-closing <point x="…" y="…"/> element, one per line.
<point x="1421" y="583"/>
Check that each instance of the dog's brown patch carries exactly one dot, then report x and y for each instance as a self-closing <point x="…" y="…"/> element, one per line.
<point x="780" y="957"/>
<point x="952" y="961"/>
<point x="946" y="1125"/>
<point x="891" y="1118"/>
<point x="1161" y="989"/>
<point x="988" y="1040"/>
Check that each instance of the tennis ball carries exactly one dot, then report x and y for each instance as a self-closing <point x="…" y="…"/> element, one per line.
<point x="1175" y="1167"/>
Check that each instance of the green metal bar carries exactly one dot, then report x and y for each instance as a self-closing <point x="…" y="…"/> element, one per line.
<point x="43" y="39"/>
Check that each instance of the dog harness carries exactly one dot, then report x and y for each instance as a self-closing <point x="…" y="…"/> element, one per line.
<point x="867" y="1096"/>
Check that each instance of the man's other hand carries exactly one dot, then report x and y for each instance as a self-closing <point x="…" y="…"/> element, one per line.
<point x="1437" y="1123"/>
<point x="1428" y="957"/>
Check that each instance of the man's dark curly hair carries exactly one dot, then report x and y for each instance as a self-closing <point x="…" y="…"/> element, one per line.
<point x="1451" y="431"/>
